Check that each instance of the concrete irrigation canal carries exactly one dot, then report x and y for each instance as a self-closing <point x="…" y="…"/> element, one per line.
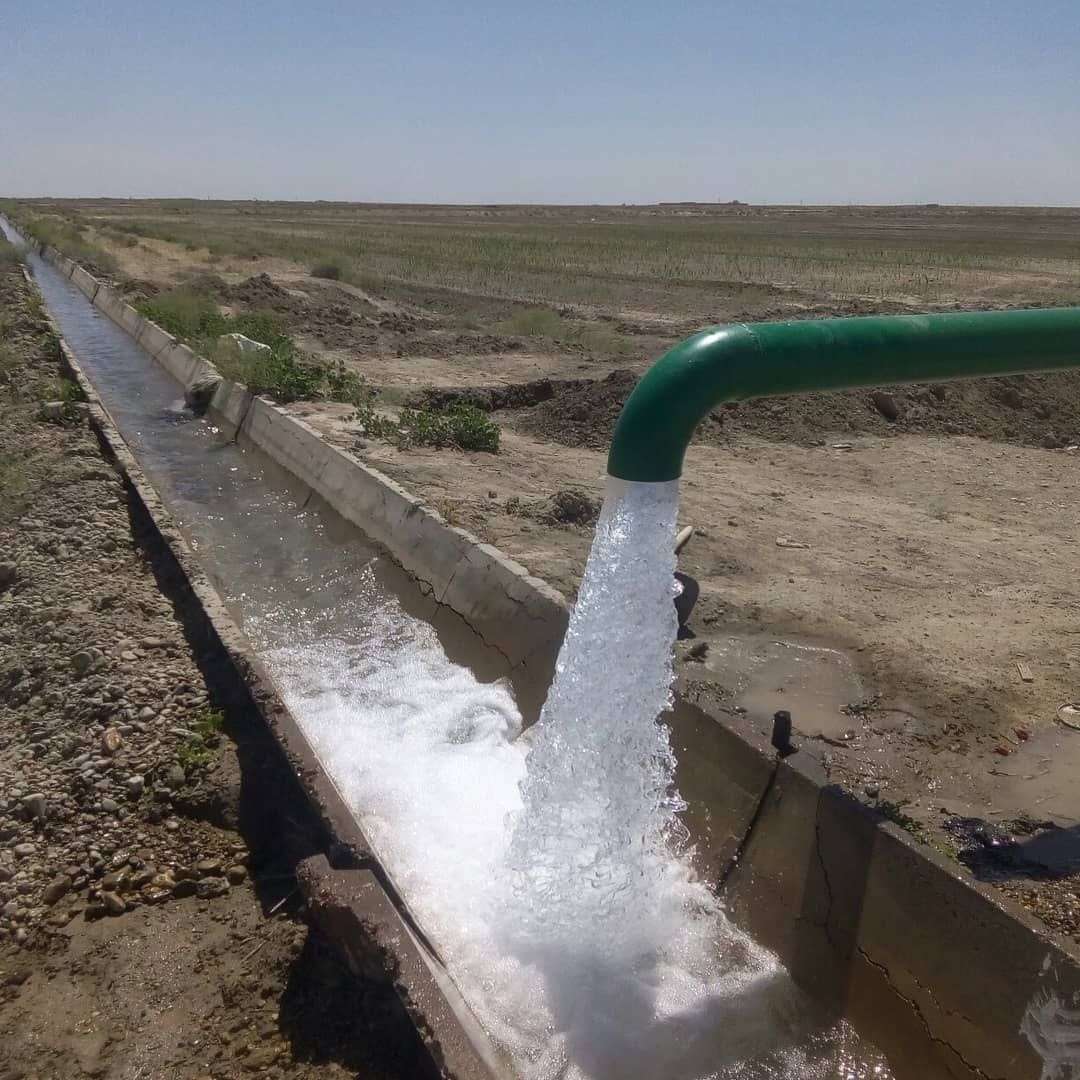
<point x="543" y="903"/>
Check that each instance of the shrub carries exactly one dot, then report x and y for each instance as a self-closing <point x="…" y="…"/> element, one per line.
<point x="343" y="384"/>
<point x="333" y="268"/>
<point x="464" y="426"/>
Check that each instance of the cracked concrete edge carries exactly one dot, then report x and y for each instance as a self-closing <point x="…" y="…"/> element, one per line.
<point x="352" y="909"/>
<point x="441" y="1022"/>
<point x="923" y="959"/>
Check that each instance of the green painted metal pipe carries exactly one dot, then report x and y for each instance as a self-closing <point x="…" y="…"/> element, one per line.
<point x="729" y="363"/>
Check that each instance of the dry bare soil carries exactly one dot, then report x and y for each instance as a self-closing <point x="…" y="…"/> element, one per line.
<point x="902" y="579"/>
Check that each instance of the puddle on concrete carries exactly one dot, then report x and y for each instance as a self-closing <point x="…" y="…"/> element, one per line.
<point x="811" y="682"/>
<point x="1041" y="778"/>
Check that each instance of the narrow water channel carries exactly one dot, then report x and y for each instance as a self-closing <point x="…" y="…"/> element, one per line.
<point x="418" y="731"/>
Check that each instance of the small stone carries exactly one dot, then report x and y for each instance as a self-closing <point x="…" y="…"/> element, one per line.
<point x="886" y="405"/>
<point x="208" y="867"/>
<point x="114" y="881"/>
<point x="209" y="887"/>
<point x="109" y="806"/>
<point x="176" y="777"/>
<point x="8" y="573"/>
<point x="34" y="805"/>
<point x="113" y="903"/>
<point x="22" y="850"/>
<point x="146" y="713"/>
<point x="236" y="874"/>
<point x="81" y="661"/>
<point x="55" y="890"/>
<point x="110" y="741"/>
<point x="134" y="786"/>
<point x="183" y="888"/>
<point x="144" y="877"/>
<point x="871" y="791"/>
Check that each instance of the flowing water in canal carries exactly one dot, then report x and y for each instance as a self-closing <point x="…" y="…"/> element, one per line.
<point x="546" y="869"/>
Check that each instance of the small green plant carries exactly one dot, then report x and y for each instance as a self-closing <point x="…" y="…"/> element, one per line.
<point x="36" y="306"/>
<point x="345" y="385"/>
<point x="194" y="752"/>
<point x="59" y="400"/>
<point x="461" y="425"/>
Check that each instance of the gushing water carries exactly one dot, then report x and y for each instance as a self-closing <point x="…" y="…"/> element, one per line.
<point x="548" y="866"/>
<point x="590" y="846"/>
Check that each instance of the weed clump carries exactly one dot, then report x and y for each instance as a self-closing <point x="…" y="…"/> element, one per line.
<point x="194" y="752"/>
<point x="332" y="268"/>
<point x="460" y="425"/>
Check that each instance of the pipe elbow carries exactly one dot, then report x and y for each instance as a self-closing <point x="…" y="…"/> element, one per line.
<point x="674" y="396"/>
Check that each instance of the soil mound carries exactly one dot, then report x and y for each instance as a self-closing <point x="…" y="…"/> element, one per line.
<point x="1032" y="410"/>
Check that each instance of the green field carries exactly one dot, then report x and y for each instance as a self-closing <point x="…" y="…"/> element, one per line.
<point x="662" y="259"/>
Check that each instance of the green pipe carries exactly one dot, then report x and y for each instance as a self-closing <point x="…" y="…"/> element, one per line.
<point x="731" y="363"/>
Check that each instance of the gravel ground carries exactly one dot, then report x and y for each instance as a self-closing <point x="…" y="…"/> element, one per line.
<point x="149" y="923"/>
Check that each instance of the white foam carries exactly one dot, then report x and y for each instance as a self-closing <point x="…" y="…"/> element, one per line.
<point x="546" y="869"/>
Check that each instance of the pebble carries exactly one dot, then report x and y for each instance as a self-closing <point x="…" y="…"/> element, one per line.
<point x="55" y="890"/>
<point x="81" y="661"/>
<point x="208" y="888"/>
<point x="35" y="805"/>
<point x="134" y="786"/>
<point x="236" y="874"/>
<point x="111" y="741"/>
<point x="22" y="850"/>
<point x="113" y="903"/>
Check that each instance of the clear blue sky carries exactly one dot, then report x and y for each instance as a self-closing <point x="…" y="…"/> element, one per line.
<point x="548" y="101"/>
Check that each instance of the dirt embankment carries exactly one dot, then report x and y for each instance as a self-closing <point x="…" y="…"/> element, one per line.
<point x="1029" y="410"/>
<point x="149" y="921"/>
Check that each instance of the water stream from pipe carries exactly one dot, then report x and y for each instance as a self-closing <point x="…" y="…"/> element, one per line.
<point x="549" y="869"/>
